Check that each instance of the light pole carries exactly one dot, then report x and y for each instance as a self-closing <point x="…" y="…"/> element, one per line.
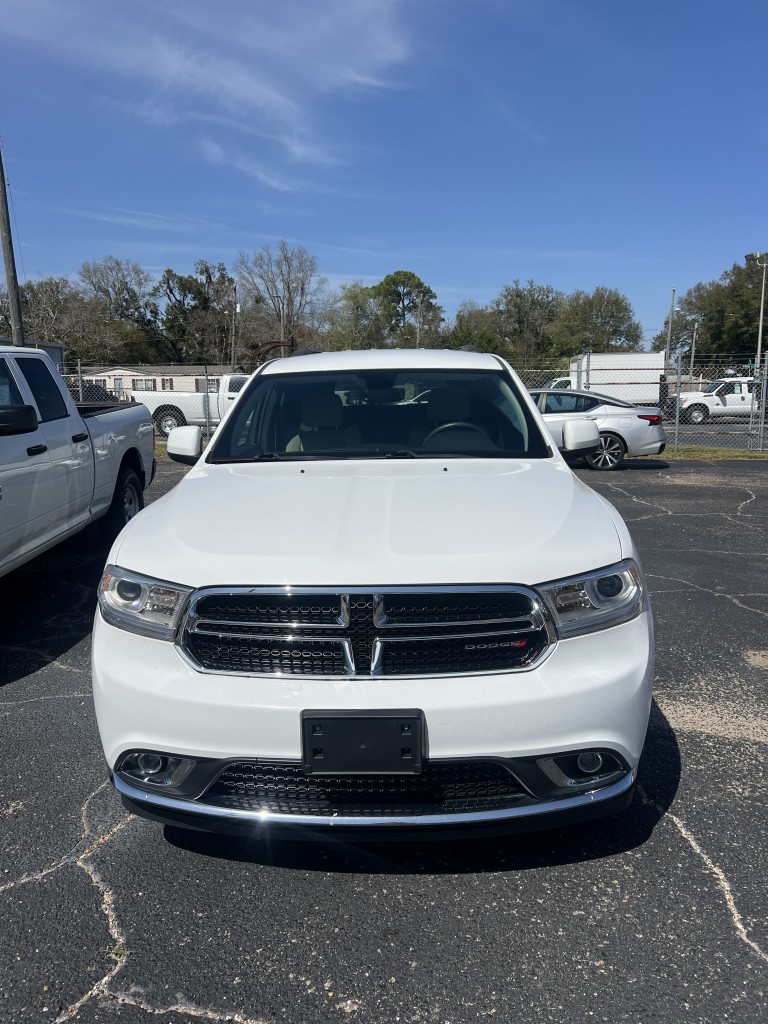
<point x="694" y="339"/>
<point x="668" y="349"/>
<point x="755" y="257"/>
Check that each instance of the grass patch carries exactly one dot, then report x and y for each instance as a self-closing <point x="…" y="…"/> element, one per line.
<point x="706" y="454"/>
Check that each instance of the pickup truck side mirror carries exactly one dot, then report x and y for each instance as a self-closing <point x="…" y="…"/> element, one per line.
<point x="580" y="438"/>
<point x="17" y="419"/>
<point x="185" y="444"/>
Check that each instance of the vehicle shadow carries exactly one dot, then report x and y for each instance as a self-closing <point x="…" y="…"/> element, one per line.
<point x="48" y="604"/>
<point x="628" y="465"/>
<point x="658" y="782"/>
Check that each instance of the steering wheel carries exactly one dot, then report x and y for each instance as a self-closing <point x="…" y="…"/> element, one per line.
<point x="455" y="425"/>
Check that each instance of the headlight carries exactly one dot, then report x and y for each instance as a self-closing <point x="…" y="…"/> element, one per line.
<point x="141" y="604"/>
<point x="595" y="600"/>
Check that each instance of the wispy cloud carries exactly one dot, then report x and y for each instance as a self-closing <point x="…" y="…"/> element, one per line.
<point x="141" y="220"/>
<point x="259" y="69"/>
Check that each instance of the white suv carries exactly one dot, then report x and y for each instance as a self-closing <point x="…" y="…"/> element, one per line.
<point x="380" y="600"/>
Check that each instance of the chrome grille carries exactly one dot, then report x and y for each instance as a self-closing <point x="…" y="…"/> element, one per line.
<point x="386" y="632"/>
<point x="442" y="788"/>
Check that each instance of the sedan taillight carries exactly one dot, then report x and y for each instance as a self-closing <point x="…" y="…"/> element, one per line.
<point x="653" y="420"/>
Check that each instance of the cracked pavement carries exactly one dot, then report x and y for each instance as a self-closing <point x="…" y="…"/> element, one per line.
<point x="659" y="914"/>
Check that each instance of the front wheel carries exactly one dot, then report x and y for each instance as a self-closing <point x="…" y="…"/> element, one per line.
<point x="697" y="414"/>
<point x="127" y="501"/>
<point x="609" y="455"/>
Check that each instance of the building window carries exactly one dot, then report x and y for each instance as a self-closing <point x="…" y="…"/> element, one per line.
<point x="167" y="384"/>
<point x="146" y="384"/>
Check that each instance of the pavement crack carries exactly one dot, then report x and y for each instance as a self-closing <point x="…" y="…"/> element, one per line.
<point x="751" y="497"/>
<point x="183" y="1007"/>
<point x="119" y="951"/>
<point x="734" y="598"/>
<point x="658" y="509"/>
<point x="38" y="700"/>
<point x="72" y="856"/>
<point x="723" y="884"/>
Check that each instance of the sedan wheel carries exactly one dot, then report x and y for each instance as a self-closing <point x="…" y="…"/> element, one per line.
<point x="609" y="455"/>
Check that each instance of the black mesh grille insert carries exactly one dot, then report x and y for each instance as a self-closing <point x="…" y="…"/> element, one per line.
<point x="436" y="609"/>
<point x="460" y="654"/>
<point x="270" y="609"/>
<point x="292" y="657"/>
<point x="379" y="632"/>
<point x="442" y="788"/>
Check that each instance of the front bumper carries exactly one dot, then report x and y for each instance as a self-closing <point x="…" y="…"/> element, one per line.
<point x="591" y="692"/>
<point x="549" y="814"/>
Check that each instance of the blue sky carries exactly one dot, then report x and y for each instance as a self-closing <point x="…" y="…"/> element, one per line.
<point x="573" y="142"/>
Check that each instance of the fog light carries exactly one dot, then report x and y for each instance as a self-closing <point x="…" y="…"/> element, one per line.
<point x="590" y="762"/>
<point x="150" y="764"/>
<point x="154" y="770"/>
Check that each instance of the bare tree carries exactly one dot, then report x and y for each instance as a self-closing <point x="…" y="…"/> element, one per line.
<point x="122" y="288"/>
<point x="286" y="284"/>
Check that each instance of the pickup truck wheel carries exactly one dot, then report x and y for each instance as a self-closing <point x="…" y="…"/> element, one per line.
<point x="127" y="500"/>
<point x="697" y="414"/>
<point x="167" y="419"/>
<point x="609" y="455"/>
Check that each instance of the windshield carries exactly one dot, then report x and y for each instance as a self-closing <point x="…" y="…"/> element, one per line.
<point x="380" y="414"/>
<point x="712" y="387"/>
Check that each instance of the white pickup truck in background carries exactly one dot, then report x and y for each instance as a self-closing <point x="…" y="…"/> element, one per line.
<point x="61" y="469"/>
<point x="728" y="396"/>
<point x="195" y="408"/>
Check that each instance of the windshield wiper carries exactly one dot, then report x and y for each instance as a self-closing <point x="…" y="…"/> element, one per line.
<point x="261" y="457"/>
<point x="398" y="453"/>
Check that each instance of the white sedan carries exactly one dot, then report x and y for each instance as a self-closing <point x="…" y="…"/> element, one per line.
<point x="625" y="429"/>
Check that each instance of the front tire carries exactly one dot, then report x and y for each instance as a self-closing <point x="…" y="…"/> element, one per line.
<point x="609" y="455"/>
<point x="127" y="501"/>
<point x="697" y="414"/>
<point x="168" y="419"/>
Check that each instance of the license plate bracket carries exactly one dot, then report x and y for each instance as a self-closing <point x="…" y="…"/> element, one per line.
<point x="363" y="742"/>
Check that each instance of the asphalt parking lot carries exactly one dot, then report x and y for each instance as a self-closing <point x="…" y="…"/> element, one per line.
<point x="659" y="914"/>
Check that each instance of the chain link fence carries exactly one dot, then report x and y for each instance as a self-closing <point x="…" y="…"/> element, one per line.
<point x="706" y="404"/>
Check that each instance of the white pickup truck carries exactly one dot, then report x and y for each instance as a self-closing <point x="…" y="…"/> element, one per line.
<point x="178" y="408"/>
<point x="59" y="469"/>
<point x="380" y="601"/>
<point x="728" y="396"/>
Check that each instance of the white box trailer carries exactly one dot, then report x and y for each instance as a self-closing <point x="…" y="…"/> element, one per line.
<point x="636" y="377"/>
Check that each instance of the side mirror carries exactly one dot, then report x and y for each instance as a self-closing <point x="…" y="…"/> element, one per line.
<point x="185" y="444"/>
<point x="17" y="419"/>
<point x="580" y="438"/>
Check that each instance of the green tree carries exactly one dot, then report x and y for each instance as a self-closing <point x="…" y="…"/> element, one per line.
<point x="728" y="313"/>
<point x="197" y="313"/>
<point x="354" y="320"/>
<point x="408" y="309"/>
<point x="523" y="315"/>
<point x="598" y="321"/>
<point x="475" y="327"/>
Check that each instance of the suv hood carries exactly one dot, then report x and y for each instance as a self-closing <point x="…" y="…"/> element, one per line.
<point x="363" y="523"/>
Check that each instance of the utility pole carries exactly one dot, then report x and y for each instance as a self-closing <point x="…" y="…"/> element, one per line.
<point x="11" y="282"/>
<point x="668" y="350"/>
<point x="235" y="311"/>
